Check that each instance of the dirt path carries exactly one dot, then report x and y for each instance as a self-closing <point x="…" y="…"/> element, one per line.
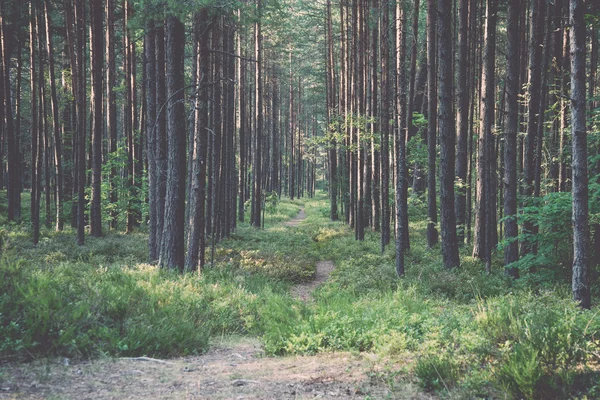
<point x="305" y="290"/>
<point x="323" y="269"/>
<point x="230" y="370"/>
<point x="297" y="220"/>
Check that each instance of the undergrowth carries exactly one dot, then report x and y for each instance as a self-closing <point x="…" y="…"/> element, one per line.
<point x="460" y="333"/>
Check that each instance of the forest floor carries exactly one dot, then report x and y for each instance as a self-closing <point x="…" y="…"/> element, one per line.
<point x="296" y="310"/>
<point x="233" y="368"/>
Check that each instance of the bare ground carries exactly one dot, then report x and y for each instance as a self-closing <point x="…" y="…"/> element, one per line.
<point x="232" y="369"/>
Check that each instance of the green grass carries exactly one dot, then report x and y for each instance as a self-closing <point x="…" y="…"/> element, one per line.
<point x="462" y="333"/>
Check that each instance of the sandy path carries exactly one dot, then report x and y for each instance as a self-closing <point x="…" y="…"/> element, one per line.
<point x="297" y="220"/>
<point x="234" y="370"/>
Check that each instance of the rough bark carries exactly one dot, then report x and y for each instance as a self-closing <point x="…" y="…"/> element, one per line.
<point x="432" y="234"/>
<point x="96" y="15"/>
<point x="511" y="129"/>
<point x="447" y="138"/>
<point x="581" y="248"/>
<point x="172" y="247"/>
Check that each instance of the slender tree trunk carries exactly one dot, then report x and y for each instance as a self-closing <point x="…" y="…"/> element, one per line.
<point x="447" y="138"/>
<point x="462" y="120"/>
<point x="196" y="243"/>
<point x="111" y="110"/>
<point x="161" y="135"/>
<point x="35" y="187"/>
<point x="511" y="249"/>
<point x="581" y="248"/>
<point x="384" y="125"/>
<point x="257" y="169"/>
<point x="536" y="37"/>
<point x="55" y="122"/>
<point x="81" y="119"/>
<point x="13" y="184"/>
<point x="400" y="141"/>
<point x="332" y="113"/>
<point x="432" y="234"/>
<point x="96" y="13"/>
<point x="150" y="82"/>
<point x="172" y="251"/>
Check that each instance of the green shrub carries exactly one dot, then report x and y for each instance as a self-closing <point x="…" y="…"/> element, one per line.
<point x="437" y="371"/>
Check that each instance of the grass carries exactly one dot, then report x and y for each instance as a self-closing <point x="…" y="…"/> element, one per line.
<point x="462" y="333"/>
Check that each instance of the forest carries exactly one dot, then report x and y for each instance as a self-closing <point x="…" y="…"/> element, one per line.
<point x="347" y="198"/>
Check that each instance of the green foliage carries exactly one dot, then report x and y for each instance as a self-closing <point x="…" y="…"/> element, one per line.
<point x="129" y="197"/>
<point x="542" y="342"/>
<point x="437" y="371"/>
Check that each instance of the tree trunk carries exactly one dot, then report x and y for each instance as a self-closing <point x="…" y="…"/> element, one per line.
<point x="111" y="110"/>
<point x="447" y="138"/>
<point x="13" y="184"/>
<point x="432" y="234"/>
<point x="400" y="142"/>
<point x="96" y="99"/>
<point x="581" y="248"/>
<point x="462" y="120"/>
<point x="150" y="82"/>
<point x="172" y="251"/>
<point x="257" y="169"/>
<point x="55" y="122"/>
<point x="196" y="243"/>
<point x="35" y="186"/>
<point x="511" y="129"/>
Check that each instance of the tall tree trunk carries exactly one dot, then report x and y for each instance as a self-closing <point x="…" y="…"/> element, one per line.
<point x="111" y="110"/>
<point x="257" y="169"/>
<point x="447" y="137"/>
<point x="81" y="118"/>
<point x="13" y="184"/>
<point x="536" y="37"/>
<point x="462" y="120"/>
<point x="581" y="248"/>
<point x="55" y="122"/>
<point x="384" y="125"/>
<point x="332" y="113"/>
<point x="511" y="129"/>
<point x="96" y="13"/>
<point x="161" y="135"/>
<point x="432" y="234"/>
<point x="150" y="82"/>
<point x="196" y="243"/>
<point x="486" y="160"/>
<point x="35" y="185"/>
<point x="400" y="142"/>
<point x="172" y="251"/>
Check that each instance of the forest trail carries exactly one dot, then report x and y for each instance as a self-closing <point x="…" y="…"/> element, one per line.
<point x="297" y="220"/>
<point x="323" y="270"/>
<point x="232" y="369"/>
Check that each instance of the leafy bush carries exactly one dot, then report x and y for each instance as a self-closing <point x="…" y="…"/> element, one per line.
<point x="542" y="342"/>
<point x="437" y="371"/>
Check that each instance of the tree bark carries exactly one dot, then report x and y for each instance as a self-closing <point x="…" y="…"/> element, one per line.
<point x="581" y="248"/>
<point x="447" y="137"/>
<point x="511" y="129"/>
<point x="432" y="234"/>
<point x="96" y="99"/>
<point x="172" y="252"/>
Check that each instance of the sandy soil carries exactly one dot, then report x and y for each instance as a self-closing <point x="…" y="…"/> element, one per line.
<point x="230" y="370"/>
